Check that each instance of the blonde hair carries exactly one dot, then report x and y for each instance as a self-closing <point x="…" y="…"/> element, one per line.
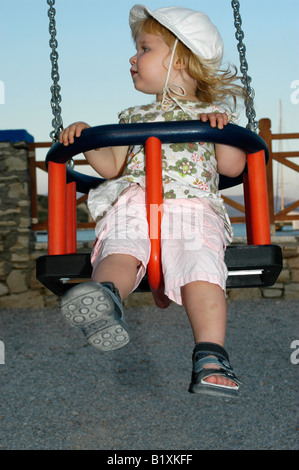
<point x="213" y="86"/>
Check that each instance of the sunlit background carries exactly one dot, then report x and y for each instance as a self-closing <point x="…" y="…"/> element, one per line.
<point x="94" y="46"/>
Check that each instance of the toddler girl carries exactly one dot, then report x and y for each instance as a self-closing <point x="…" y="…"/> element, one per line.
<point x="178" y="56"/>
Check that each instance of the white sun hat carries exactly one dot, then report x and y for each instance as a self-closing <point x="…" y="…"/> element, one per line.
<point x="193" y="28"/>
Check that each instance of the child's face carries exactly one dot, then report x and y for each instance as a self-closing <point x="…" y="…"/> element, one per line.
<point x="150" y="63"/>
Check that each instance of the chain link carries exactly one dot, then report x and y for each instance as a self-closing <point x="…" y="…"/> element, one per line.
<point x="55" y="88"/>
<point x="246" y="80"/>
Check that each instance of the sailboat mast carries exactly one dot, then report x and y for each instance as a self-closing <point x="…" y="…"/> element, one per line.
<point x="280" y="150"/>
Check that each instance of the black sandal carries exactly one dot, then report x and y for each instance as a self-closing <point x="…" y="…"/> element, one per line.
<point x="212" y="353"/>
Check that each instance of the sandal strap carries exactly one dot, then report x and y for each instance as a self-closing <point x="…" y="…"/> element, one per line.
<point x="113" y="289"/>
<point x="201" y="358"/>
<point x="209" y="349"/>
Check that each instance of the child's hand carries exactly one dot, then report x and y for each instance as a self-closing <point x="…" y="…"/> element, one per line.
<point x="67" y="136"/>
<point x="216" y="119"/>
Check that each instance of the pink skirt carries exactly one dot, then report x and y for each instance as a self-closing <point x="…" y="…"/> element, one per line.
<point x="192" y="239"/>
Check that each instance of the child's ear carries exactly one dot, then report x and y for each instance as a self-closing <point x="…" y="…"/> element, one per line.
<point x="179" y="64"/>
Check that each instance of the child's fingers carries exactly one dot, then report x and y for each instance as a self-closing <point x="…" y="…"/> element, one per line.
<point x="203" y="117"/>
<point x="213" y="119"/>
<point x="209" y="117"/>
<point x="223" y="119"/>
<point x="68" y="135"/>
<point x="63" y="137"/>
<point x="80" y="127"/>
<point x="216" y="119"/>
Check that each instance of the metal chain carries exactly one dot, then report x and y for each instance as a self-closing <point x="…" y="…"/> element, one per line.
<point x="246" y="80"/>
<point x="55" y="88"/>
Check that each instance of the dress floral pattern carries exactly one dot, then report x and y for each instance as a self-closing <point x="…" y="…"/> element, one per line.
<point x="189" y="170"/>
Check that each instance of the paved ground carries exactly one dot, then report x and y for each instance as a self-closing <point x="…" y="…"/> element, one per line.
<point x="59" y="393"/>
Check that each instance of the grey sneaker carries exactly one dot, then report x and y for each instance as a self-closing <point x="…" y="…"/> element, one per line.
<point x="96" y="309"/>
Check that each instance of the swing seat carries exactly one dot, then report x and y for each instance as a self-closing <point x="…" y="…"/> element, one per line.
<point x="257" y="264"/>
<point x="248" y="266"/>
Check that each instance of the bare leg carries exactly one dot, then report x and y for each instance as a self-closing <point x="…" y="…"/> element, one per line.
<point x="206" y="309"/>
<point x="119" y="269"/>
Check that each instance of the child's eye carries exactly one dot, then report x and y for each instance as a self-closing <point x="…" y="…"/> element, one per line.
<point x="145" y="49"/>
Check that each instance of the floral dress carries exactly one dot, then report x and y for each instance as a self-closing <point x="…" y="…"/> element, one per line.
<point x="189" y="170"/>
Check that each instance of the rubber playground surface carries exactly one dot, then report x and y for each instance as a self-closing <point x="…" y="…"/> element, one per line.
<point x="58" y="393"/>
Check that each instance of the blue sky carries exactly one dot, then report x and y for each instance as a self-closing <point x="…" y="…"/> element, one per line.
<point x="94" y="46"/>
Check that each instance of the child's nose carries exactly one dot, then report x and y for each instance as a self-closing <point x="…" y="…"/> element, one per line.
<point x="133" y="59"/>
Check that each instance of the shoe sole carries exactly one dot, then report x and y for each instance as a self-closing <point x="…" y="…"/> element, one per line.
<point x="90" y="308"/>
<point x="209" y="389"/>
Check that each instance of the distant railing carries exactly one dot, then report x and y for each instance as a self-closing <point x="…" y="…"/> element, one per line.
<point x="283" y="215"/>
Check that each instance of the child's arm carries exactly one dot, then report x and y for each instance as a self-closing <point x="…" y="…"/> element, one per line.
<point x="230" y="160"/>
<point x="107" y="161"/>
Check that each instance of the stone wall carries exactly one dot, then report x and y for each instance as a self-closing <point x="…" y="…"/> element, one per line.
<point x="19" y="250"/>
<point x="16" y="263"/>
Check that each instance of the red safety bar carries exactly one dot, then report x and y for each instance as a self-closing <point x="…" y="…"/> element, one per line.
<point x="62" y="220"/>
<point x="71" y="218"/>
<point x="56" y="209"/>
<point x="256" y="200"/>
<point x="154" y="208"/>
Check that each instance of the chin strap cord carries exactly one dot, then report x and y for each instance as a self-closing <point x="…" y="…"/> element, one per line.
<point x="169" y="87"/>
